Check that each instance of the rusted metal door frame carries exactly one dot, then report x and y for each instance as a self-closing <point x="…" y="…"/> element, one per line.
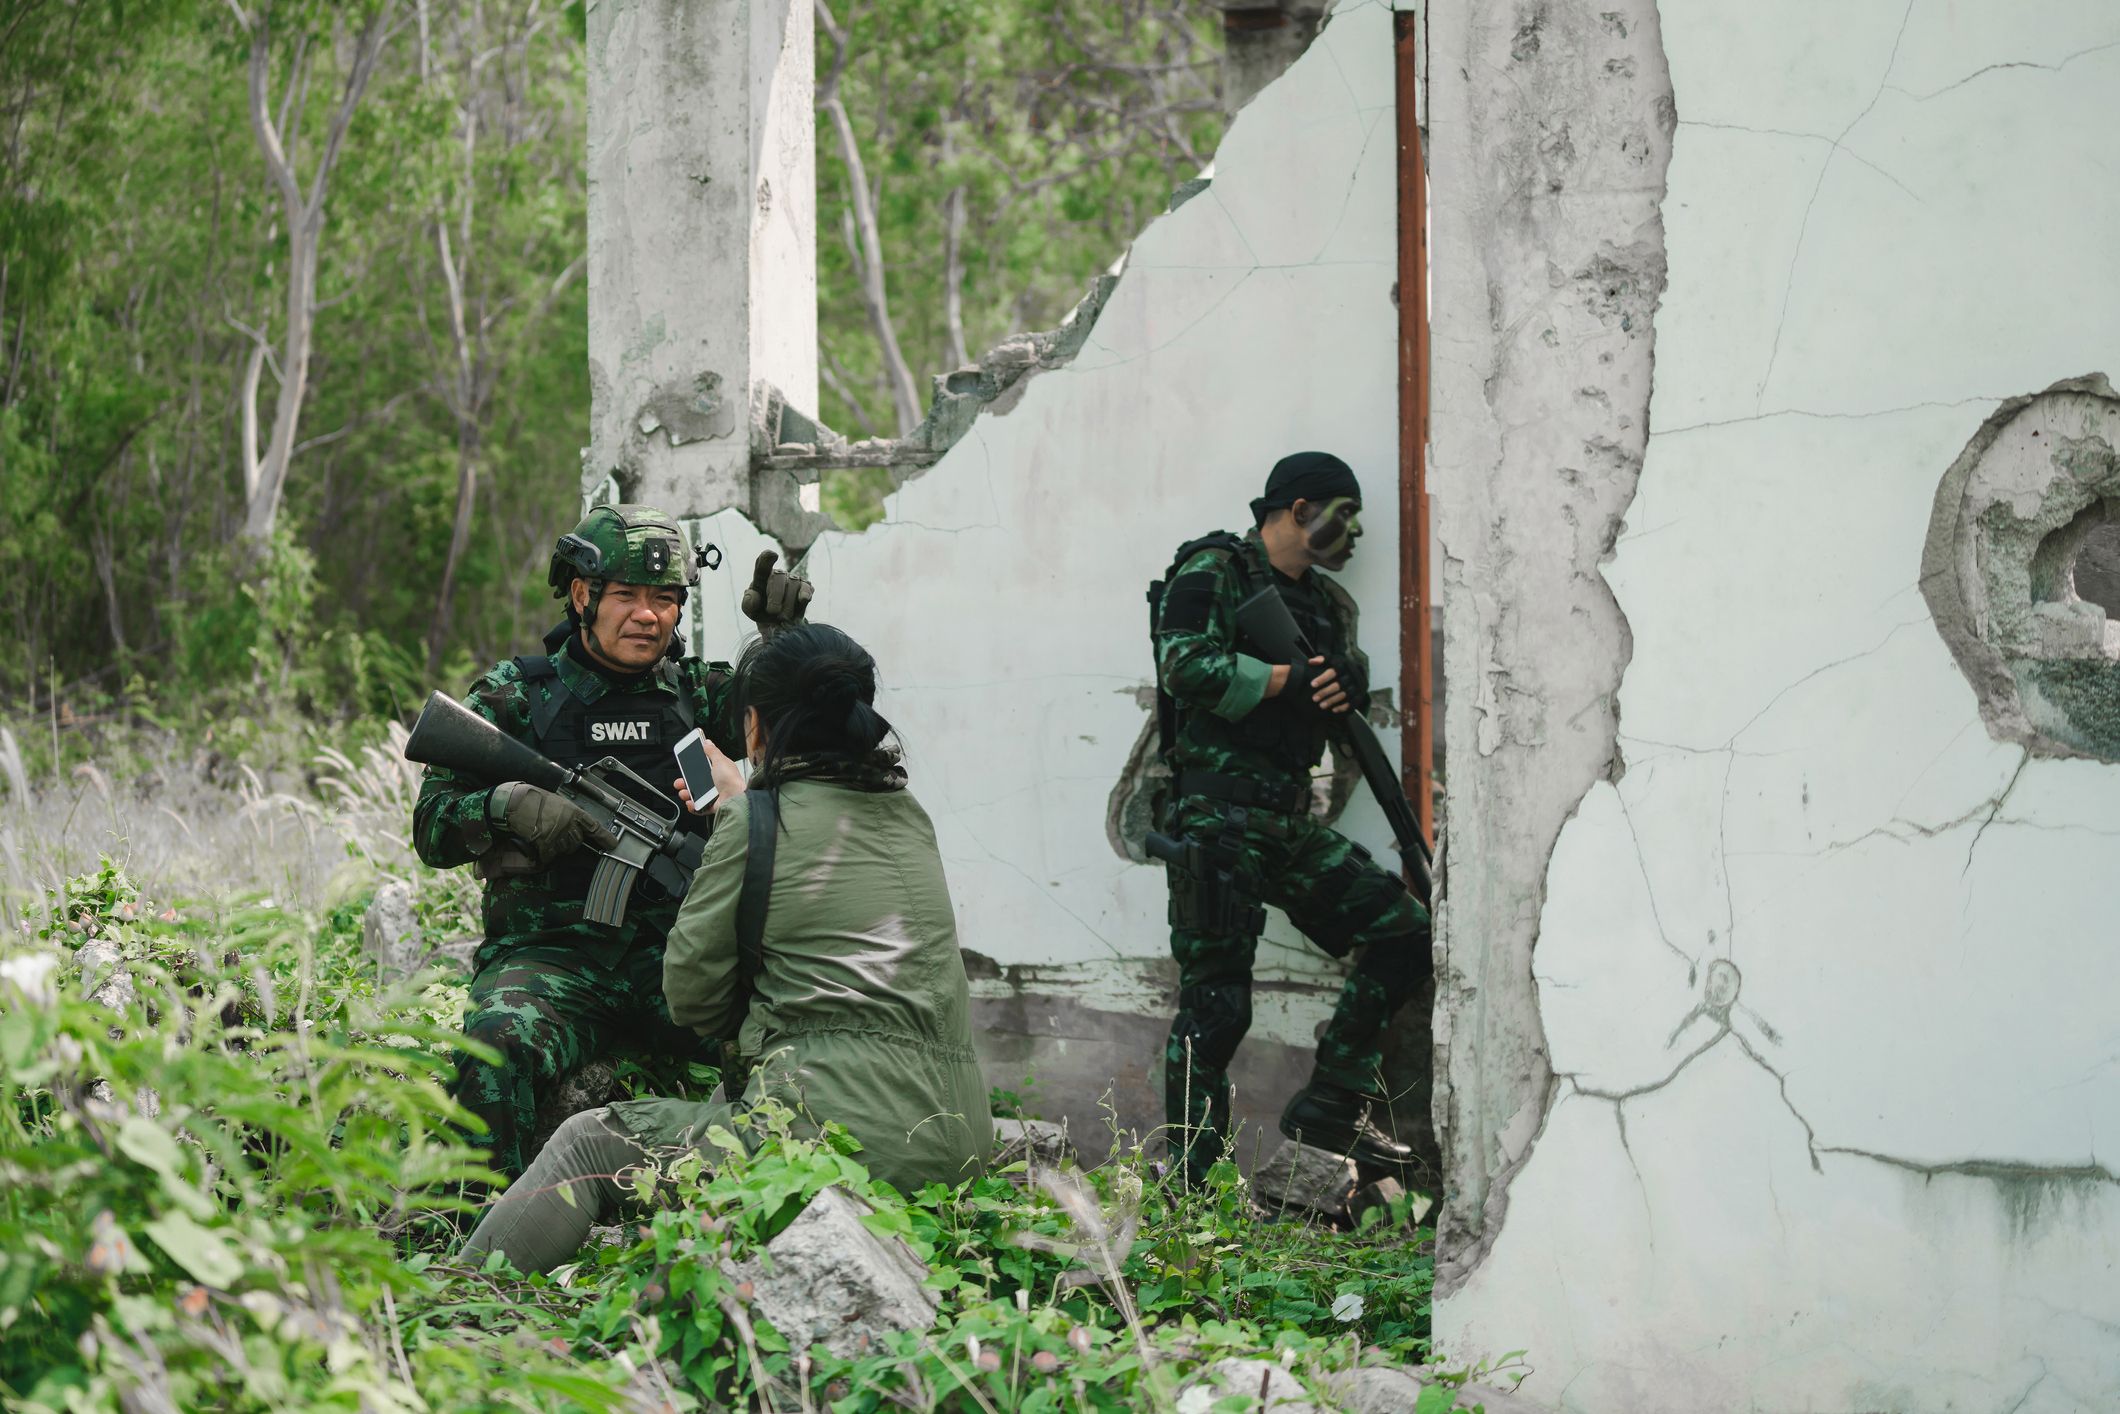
<point x="1416" y="640"/>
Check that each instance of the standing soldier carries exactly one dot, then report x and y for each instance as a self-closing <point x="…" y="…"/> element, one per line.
<point x="550" y="990"/>
<point x="1241" y="734"/>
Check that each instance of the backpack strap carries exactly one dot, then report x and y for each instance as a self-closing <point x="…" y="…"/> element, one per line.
<point x="757" y="891"/>
<point x="671" y="675"/>
<point x="1166" y="705"/>
<point x="546" y="709"/>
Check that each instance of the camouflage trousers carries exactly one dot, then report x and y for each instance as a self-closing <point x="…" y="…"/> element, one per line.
<point x="548" y="1010"/>
<point x="1343" y="901"/>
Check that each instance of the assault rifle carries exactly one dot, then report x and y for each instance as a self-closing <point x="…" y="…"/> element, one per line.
<point x="1264" y="619"/>
<point x="451" y="735"/>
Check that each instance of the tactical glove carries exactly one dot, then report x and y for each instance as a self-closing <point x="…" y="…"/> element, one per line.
<point x="1352" y="678"/>
<point x="550" y="824"/>
<point x="775" y="598"/>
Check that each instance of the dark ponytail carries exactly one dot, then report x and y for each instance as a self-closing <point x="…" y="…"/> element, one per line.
<point x="815" y="691"/>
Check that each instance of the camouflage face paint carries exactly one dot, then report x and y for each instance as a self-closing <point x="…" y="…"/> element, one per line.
<point x="1333" y="528"/>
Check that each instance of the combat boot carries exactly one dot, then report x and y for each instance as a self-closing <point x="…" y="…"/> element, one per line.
<point x="1333" y="1118"/>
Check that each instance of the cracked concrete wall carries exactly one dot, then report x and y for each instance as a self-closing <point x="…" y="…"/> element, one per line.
<point x="1778" y="1081"/>
<point x="1002" y="592"/>
<point x="1549" y="130"/>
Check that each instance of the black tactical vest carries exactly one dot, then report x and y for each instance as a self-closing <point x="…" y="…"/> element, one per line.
<point x="1285" y="729"/>
<point x="639" y="730"/>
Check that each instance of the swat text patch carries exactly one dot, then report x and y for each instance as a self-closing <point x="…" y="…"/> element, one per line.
<point x="621" y="733"/>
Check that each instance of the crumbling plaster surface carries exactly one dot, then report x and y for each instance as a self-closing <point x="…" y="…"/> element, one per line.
<point x="1549" y="129"/>
<point x="1824" y="972"/>
<point x="1002" y="593"/>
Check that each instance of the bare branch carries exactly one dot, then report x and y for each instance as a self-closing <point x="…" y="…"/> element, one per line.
<point x="250" y="421"/>
<point x="837" y="380"/>
<point x="276" y="166"/>
<point x="357" y="422"/>
<point x="263" y="344"/>
<point x="368" y="48"/>
<point x="874" y="297"/>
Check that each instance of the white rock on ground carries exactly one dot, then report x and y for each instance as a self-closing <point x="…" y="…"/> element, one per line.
<point x="1298" y="1176"/>
<point x="831" y="1281"/>
<point x="1264" y="1382"/>
<point x="1382" y="1194"/>
<point x="109" y="983"/>
<point x="390" y="932"/>
<point x="104" y="974"/>
<point x="1039" y="1142"/>
<point x="1382" y="1389"/>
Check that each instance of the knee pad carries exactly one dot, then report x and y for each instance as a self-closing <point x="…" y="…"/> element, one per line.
<point x="1215" y="1016"/>
<point x="1400" y="963"/>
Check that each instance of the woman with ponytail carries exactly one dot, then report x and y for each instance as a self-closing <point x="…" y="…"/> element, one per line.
<point x="853" y="1005"/>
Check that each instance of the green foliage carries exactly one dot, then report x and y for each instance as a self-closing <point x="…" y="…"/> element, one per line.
<point x="229" y="1186"/>
<point x="140" y="247"/>
<point x="143" y="256"/>
<point x="1066" y="126"/>
<point x="209" y="1183"/>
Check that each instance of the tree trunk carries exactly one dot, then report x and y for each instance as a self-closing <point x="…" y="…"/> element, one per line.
<point x="953" y="278"/>
<point x="467" y="448"/>
<point x="263" y="507"/>
<point x="868" y="256"/>
<point x="265" y="473"/>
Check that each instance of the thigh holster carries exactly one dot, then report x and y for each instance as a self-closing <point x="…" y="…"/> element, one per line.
<point x="1207" y="887"/>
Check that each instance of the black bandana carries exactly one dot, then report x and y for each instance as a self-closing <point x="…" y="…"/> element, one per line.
<point x="1305" y="476"/>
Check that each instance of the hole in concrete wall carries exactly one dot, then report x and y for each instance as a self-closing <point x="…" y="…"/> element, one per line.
<point x="2096" y="572"/>
<point x="2022" y="569"/>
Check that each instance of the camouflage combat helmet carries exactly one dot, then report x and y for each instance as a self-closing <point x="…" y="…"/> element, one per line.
<point x="623" y="545"/>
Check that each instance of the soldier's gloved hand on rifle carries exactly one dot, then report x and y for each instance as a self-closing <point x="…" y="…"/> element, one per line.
<point x="1348" y="676"/>
<point x="1317" y="681"/>
<point x="775" y="598"/>
<point x="550" y="824"/>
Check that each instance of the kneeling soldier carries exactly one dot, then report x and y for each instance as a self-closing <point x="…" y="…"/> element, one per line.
<point x="550" y="989"/>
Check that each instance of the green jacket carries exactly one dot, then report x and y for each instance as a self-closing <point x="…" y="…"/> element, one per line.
<point x="523" y="904"/>
<point x="861" y="1013"/>
<point x="1226" y="722"/>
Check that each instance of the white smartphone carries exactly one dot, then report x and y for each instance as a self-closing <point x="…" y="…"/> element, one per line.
<point x="691" y="756"/>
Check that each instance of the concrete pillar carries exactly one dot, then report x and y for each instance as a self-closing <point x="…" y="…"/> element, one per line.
<point x="702" y="240"/>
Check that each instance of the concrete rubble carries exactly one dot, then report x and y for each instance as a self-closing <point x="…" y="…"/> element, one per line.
<point x="1382" y="1389"/>
<point x="390" y="932"/>
<point x="1298" y="1176"/>
<point x="827" y="1280"/>
<point x="785" y="439"/>
<point x="1383" y="1194"/>
<point x="392" y="938"/>
<point x="1264" y="1382"/>
<point x="1038" y="1143"/>
<point x="109" y="983"/>
<point x="103" y="974"/>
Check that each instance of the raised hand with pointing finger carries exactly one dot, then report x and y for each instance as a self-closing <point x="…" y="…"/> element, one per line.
<point x="775" y="598"/>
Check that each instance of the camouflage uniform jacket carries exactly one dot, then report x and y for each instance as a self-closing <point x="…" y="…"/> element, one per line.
<point x="522" y="903"/>
<point x="1226" y="722"/>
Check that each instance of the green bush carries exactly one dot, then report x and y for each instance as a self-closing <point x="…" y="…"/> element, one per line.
<point x="209" y="1188"/>
<point x="232" y="1189"/>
